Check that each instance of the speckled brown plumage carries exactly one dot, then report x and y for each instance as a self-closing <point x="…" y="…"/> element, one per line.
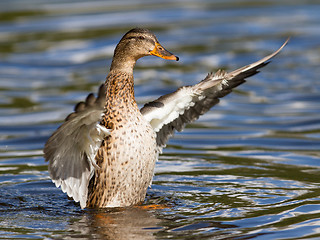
<point x="104" y="154"/>
<point x="128" y="154"/>
<point x="127" y="157"/>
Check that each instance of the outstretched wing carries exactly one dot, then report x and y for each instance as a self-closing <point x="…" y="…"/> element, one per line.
<point x="72" y="147"/>
<point x="173" y="111"/>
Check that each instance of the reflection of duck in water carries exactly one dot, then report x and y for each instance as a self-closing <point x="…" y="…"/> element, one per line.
<point x="104" y="154"/>
<point x="119" y="224"/>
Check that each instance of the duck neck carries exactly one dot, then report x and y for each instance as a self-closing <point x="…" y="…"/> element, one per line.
<point x="119" y="98"/>
<point x="120" y="89"/>
<point x="122" y="63"/>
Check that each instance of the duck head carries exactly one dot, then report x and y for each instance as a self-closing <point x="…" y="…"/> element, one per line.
<point x="135" y="44"/>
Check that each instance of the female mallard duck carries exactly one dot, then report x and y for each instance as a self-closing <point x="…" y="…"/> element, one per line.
<point x="104" y="154"/>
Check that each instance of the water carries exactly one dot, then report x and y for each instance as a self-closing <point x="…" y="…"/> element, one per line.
<point x="248" y="169"/>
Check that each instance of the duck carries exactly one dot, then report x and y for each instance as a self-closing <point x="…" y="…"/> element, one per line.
<point x="104" y="154"/>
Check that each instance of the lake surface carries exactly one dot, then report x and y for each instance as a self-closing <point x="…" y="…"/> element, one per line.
<point x="248" y="169"/>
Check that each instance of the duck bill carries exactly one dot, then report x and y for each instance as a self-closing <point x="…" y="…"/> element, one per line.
<point x="160" y="51"/>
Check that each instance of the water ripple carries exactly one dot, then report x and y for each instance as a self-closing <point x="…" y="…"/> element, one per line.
<point x="249" y="168"/>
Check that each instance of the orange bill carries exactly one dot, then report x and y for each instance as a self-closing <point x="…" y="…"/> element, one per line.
<point x="160" y="51"/>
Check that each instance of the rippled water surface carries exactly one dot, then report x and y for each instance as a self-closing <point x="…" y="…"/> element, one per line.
<point x="248" y="169"/>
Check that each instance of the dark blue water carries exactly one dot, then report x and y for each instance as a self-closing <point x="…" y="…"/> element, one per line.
<point x="248" y="169"/>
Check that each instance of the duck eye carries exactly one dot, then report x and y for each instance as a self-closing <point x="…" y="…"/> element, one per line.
<point x="141" y="37"/>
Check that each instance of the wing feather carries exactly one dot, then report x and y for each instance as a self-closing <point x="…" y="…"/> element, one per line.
<point x="72" y="147"/>
<point x="173" y="111"/>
